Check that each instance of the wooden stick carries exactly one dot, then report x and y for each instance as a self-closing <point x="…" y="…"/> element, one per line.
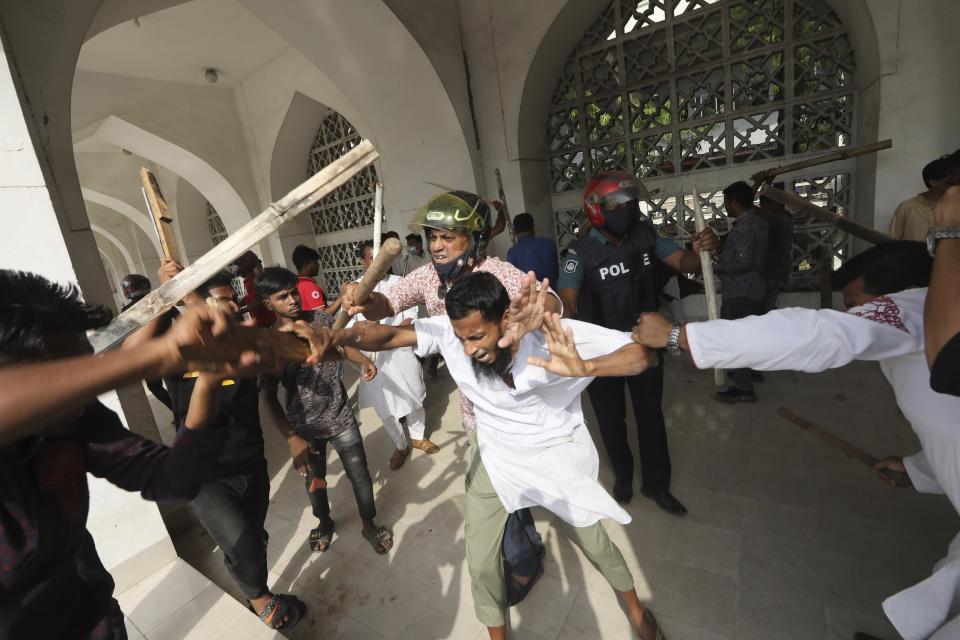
<point x="795" y="202"/>
<point x="897" y="478"/>
<point x="159" y="212"/>
<point x="378" y="269"/>
<point x="709" y="284"/>
<point x="288" y="207"/>
<point x="767" y="175"/>
<point x="377" y="218"/>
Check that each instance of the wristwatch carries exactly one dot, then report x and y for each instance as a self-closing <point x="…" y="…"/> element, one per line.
<point x="673" y="342"/>
<point x="939" y="233"/>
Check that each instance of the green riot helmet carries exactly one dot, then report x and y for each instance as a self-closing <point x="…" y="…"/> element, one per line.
<point x="460" y="212"/>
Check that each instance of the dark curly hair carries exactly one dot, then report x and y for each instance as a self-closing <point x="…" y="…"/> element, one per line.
<point x="34" y="310"/>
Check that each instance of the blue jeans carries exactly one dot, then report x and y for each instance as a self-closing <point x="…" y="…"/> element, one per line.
<point x="349" y="446"/>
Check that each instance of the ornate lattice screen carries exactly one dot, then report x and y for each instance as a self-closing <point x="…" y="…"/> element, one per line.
<point x="218" y="233"/>
<point x="349" y="207"/>
<point x="670" y="88"/>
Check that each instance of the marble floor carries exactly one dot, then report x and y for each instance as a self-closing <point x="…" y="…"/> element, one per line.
<point x="785" y="539"/>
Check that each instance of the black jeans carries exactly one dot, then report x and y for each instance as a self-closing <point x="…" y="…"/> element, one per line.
<point x="733" y="309"/>
<point x="233" y="509"/>
<point x="349" y="446"/>
<point x="609" y="403"/>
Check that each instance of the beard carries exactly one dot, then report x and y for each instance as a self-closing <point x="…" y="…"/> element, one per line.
<point x="496" y="369"/>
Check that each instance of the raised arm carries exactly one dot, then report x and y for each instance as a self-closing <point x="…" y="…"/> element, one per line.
<point x="372" y="336"/>
<point x="565" y="360"/>
<point x="377" y="307"/>
<point x="35" y="395"/>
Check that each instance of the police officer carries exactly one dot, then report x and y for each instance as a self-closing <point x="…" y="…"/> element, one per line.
<point x="607" y="278"/>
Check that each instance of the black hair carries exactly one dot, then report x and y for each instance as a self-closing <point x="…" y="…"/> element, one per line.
<point x="303" y="254"/>
<point x="362" y="246"/>
<point x="478" y="291"/>
<point x="935" y="170"/>
<point x="414" y="237"/>
<point x="220" y="279"/>
<point x="740" y="192"/>
<point x="274" y="279"/>
<point x="391" y="234"/>
<point x="888" y="267"/>
<point x="523" y="223"/>
<point x="34" y="309"/>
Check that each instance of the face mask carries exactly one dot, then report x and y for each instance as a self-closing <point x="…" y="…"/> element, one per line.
<point x="412" y="251"/>
<point x="620" y="220"/>
<point x="450" y="271"/>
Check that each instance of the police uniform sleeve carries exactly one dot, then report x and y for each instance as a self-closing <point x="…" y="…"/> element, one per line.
<point x="665" y="247"/>
<point x="571" y="271"/>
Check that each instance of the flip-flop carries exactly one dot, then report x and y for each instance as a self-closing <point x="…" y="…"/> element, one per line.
<point x="320" y="538"/>
<point x="379" y="539"/>
<point x="281" y="605"/>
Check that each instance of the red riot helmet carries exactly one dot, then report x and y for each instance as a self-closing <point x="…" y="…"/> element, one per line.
<point x="608" y="190"/>
<point x="135" y="286"/>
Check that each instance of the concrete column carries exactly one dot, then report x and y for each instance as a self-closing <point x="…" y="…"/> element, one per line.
<point x="38" y="186"/>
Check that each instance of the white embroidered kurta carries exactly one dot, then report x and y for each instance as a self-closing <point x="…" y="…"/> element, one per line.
<point x="532" y="438"/>
<point x="398" y="388"/>
<point x="888" y="330"/>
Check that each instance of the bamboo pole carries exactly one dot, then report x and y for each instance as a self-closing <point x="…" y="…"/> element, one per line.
<point x="767" y="175"/>
<point x="798" y="204"/>
<point x="377" y="218"/>
<point x="286" y="208"/>
<point x="709" y="284"/>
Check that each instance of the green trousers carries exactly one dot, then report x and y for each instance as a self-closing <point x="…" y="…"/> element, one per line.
<point x="486" y="519"/>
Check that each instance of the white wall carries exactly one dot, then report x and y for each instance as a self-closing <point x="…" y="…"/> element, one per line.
<point x="129" y="531"/>
<point x="919" y="94"/>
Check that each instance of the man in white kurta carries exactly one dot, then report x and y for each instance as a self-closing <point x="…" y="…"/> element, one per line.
<point x="534" y="448"/>
<point x="398" y="391"/>
<point x="883" y="328"/>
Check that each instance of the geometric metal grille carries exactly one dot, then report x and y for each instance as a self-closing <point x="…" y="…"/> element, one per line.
<point x="813" y="240"/>
<point x="218" y="233"/>
<point x="665" y="87"/>
<point x="339" y="264"/>
<point x="351" y="205"/>
<point x="348" y="207"/>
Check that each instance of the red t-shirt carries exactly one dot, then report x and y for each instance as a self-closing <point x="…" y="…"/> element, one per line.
<point x="311" y="295"/>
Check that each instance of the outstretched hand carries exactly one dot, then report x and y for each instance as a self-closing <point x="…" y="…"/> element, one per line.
<point x="652" y="330"/>
<point x="526" y="311"/>
<point x="564" y="358"/>
<point x="205" y="338"/>
<point x="318" y="338"/>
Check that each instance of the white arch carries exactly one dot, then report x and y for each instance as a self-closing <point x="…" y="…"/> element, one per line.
<point x="112" y="239"/>
<point x="192" y="168"/>
<point x="109" y="266"/>
<point x="128" y="211"/>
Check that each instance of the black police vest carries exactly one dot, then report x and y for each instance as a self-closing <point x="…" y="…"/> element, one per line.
<point x="618" y="281"/>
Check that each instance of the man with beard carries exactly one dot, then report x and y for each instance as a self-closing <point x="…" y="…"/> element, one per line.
<point x="318" y="413"/>
<point x="533" y="445"/>
<point x="53" y="432"/>
<point x="607" y="278"/>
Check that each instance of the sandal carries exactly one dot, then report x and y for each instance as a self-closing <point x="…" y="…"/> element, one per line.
<point x="280" y="606"/>
<point x="381" y="540"/>
<point x="425" y="445"/>
<point x="320" y="540"/>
